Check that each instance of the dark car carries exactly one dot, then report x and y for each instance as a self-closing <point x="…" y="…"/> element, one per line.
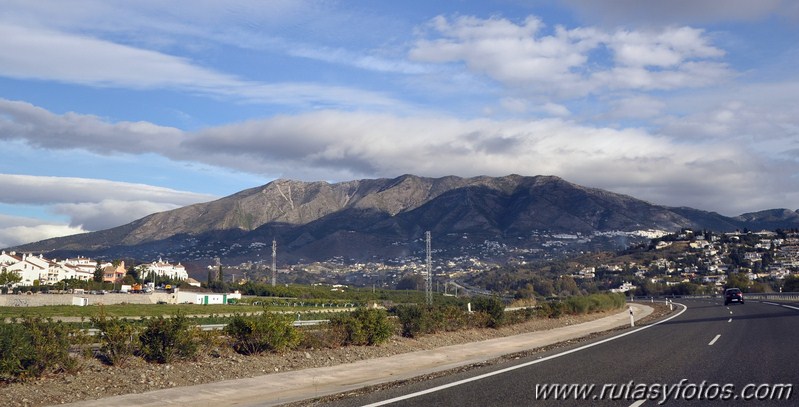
<point x="733" y="295"/>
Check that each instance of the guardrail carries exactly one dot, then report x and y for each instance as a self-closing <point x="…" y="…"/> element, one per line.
<point x="755" y="296"/>
<point x="219" y="327"/>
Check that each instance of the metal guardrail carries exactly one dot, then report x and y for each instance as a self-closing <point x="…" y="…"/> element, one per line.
<point x="219" y="327"/>
<point x="755" y="296"/>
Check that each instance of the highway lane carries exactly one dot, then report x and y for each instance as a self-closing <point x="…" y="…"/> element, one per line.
<point x="720" y="346"/>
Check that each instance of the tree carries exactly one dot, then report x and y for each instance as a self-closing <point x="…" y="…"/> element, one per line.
<point x="9" y="278"/>
<point x="133" y="272"/>
<point x="738" y="280"/>
<point x="791" y="284"/>
<point x="98" y="275"/>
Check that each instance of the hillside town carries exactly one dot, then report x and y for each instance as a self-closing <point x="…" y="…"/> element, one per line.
<point x="686" y="262"/>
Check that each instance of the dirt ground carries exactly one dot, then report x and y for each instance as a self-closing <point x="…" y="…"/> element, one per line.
<point x="95" y="380"/>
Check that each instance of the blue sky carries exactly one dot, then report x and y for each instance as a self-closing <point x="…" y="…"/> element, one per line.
<point x="112" y="110"/>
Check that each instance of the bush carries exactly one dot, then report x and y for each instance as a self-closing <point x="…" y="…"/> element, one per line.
<point x="264" y="332"/>
<point x="552" y="309"/>
<point x="165" y="339"/>
<point x="33" y="347"/>
<point x="364" y="326"/>
<point x="493" y="307"/>
<point x="117" y="338"/>
<point x="414" y="320"/>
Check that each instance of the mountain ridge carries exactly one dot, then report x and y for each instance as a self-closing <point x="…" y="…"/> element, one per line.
<point x="373" y="217"/>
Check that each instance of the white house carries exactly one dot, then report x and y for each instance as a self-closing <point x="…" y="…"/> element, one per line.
<point x="626" y="286"/>
<point x="165" y="269"/>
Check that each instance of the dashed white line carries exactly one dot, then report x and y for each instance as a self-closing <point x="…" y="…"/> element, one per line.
<point x="770" y="303"/>
<point x="791" y="307"/>
<point x="730" y="320"/>
<point x="714" y="340"/>
<point x="638" y="403"/>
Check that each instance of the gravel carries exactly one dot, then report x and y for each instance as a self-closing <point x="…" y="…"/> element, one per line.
<point x="96" y="380"/>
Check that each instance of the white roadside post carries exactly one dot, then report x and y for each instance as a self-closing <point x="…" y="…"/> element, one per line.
<point x="632" y="320"/>
<point x="671" y="305"/>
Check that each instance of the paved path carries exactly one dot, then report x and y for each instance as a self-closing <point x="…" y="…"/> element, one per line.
<point x="279" y="388"/>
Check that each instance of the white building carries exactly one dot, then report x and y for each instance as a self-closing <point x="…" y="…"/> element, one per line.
<point x="32" y="268"/>
<point x="626" y="286"/>
<point x="189" y="297"/>
<point x="165" y="269"/>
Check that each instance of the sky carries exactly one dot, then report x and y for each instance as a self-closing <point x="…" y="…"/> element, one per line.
<point x="112" y="110"/>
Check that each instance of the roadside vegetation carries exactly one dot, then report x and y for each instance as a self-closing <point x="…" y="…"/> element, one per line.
<point x="33" y="346"/>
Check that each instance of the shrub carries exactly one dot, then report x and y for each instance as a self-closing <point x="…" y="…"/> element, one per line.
<point x="414" y="320"/>
<point x="552" y="309"/>
<point x="452" y="318"/>
<point x="364" y="326"/>
<point x="34" y="346"/>
<point x="493" y="307"/>
<point x="117" y="338"/>
<point x="267" y="331"/>
<point x="165" y="339"/>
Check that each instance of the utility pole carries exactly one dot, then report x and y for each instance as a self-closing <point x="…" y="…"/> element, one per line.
<point x="274" y="262"/>
<point x="429" y="279"/>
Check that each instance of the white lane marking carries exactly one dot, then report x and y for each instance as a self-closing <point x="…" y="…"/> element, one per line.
<point x="511" y="368"/>
<point x="769" y="303"/>
<point x="714" y="340"/>
<point x="730" y="312"/>
<point x="638" y="403"/>
<point x="791" y="307"/>
<point x="730" y="320"/>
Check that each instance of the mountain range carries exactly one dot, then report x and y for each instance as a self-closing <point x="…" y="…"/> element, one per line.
<point x="380" y="218"/>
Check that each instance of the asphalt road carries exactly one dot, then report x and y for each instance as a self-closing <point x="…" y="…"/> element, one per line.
<point x="708" y="350"/>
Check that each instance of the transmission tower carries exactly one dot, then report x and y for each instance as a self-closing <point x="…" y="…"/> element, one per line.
<point x="274" y="262"/>
<point x="428" y="287"/>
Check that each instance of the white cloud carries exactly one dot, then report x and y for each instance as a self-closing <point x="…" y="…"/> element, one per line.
<point x="43" y="54"/>
<point x="636" y="107"/>
<point x="90" y="204"/>
<point x="18" y="230"/>
<point x="40" y="190"/>
<point x="694" y="152"/>
<point x="336" y="145"/>
<point x="567" y="63"/>
<point x="109" y="213"/>
<point x="41" y="128"/>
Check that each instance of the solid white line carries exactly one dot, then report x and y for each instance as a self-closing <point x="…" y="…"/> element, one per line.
<point x="638" y="403"/>
<point x="508" y="369"/>
<point x="714" y="340"/>
<point x="791" y="307"/>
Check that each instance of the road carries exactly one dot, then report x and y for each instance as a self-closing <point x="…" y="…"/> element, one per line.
<point x="708" y="349"/>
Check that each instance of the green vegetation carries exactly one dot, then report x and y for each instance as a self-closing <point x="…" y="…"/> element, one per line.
<point x="151" y="310"/>
<point x="166" y="339"/>
<point x="364" y="326"/>
<point x="262" y="333"/>
<point x="117" y="338"/>
<point x="34" y="346"/>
